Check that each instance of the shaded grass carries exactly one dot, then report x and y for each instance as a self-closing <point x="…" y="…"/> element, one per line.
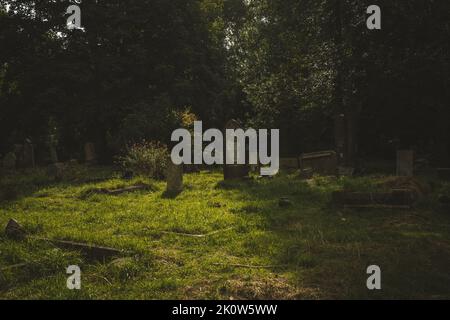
<point x="322" y="252"/>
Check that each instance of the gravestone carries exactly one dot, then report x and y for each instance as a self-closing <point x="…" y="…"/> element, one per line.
<point x="234" y="171"/>
<point x="9" y="161"/>
<point x="89" y="153"/>
<point x="405" y="163"/>
<point x="323" y="162"/>
<point x="174" y="175"/>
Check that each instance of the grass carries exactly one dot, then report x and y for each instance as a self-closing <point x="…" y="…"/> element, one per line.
<point x="309" y="250"/>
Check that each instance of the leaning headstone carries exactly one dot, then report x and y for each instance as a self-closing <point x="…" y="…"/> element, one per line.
<point x="234" y="171"/>
<point x="9" y="161"/>
<point x="324" y="162"/>
<point x="89" y="153"/>
<point x="174" y="175"/>
<point x="405" y="163"/>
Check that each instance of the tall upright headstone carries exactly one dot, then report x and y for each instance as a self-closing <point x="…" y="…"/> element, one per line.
<point x="405" y="163"/>
<point x="234" y="171"/>
<point x="174" y="176"/>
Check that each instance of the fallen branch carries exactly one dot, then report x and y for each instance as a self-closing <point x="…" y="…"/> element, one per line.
<point x="197" y="235"/>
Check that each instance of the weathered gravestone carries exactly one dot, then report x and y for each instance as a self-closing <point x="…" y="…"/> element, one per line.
<point x="9" y="161"/>
<point x="89" y="153"/>
<point x="174" y="175"/>
<point x="234" y="171"/>
<point x="405" y="163"/>
<point x="324" y="162"/>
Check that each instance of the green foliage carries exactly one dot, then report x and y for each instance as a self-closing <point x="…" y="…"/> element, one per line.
<point x="146" y="158"/>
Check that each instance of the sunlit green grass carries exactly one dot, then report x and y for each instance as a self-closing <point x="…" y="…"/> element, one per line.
<point x="310" y="250"/>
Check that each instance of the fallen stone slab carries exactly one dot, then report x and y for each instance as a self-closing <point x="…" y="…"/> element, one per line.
<point x="400" y="198"/>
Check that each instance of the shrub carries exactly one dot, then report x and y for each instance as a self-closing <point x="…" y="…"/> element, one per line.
<point x="146" y="158"/>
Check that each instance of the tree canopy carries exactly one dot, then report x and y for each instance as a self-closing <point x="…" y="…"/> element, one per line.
<point x="137" y="66"/>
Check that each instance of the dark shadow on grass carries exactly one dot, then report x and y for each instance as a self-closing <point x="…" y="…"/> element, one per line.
<point x="328" y="248"/>
<point x="24" y="183"/>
